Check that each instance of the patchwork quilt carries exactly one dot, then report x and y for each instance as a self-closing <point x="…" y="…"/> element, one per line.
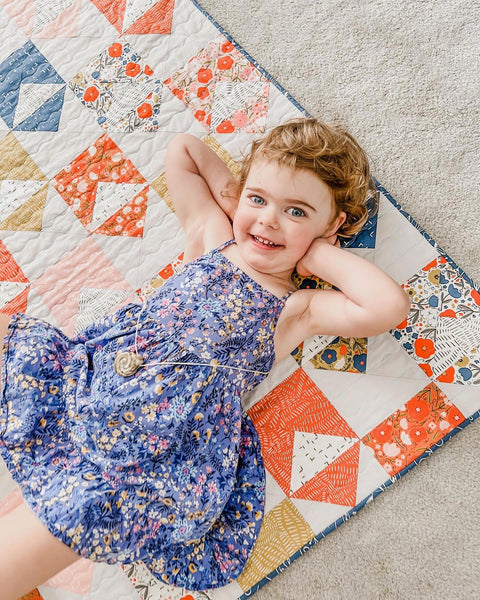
<point x="91" y="92"/>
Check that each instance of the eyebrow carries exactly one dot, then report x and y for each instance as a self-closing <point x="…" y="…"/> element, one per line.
<point x="292" y="200"/>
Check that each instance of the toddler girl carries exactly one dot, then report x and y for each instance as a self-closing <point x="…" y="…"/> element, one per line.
<point x="128" y="441"/>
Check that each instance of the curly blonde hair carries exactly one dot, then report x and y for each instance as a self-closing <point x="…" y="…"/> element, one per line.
<point x="332" y="154"/>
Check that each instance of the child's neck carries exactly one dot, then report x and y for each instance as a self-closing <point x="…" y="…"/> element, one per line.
<point x="279" y="285"/>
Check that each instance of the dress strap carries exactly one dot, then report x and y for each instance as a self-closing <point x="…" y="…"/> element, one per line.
<point x="224" y="245"/>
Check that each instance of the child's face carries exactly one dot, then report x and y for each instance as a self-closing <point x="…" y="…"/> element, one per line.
<point x="280" y="212"/>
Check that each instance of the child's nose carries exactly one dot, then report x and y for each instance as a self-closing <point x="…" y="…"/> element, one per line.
<point x="269" y="218"/>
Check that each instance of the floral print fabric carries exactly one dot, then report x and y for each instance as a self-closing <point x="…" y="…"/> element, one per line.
<point x="224" y="90"/>
<point x="103" y="162"/>
<point x="121" y="89"/>
<point x="159" y="467"/>
<point x="422" y="422"/>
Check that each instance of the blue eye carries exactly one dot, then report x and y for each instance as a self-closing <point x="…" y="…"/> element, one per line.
<point x="257" y="200"/>
<point x="296" y="212"/>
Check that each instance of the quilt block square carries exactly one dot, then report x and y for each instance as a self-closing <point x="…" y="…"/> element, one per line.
<point x="413" y="429"/>
<point x="283" y="532"/>
<point x="338" y="354"/>
<point x="120" y="88"/>
<point x="105" y="190"/>
<point x="225" y="91"/>
<point x="14" y="286"/>
<point x="307" y="446"/>
<point x="31" y="91"/>
<point x="45" y="18"/>
<point x="139" y="17"/>
<point x="82" y="287"/>
<point x="23" y="188"/>
<point x="442" y="330"/>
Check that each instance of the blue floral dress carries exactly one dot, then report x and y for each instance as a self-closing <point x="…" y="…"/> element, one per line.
<point x="160" y="466"/>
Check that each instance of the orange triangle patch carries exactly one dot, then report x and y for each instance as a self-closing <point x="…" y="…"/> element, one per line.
<point x="337" y="483"/>
<point x="18" y="304"/>
<point x="157" y="19"/>
<point x="297" y="405"/>
<point x="9" y="269"/>
<point x="278" y="460"/>
<point x="102" y="162"/>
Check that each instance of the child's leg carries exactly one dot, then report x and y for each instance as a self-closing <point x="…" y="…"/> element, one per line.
<point x="29" y="553"/>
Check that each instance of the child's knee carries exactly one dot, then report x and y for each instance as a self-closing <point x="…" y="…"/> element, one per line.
<point x="29" y="553"/>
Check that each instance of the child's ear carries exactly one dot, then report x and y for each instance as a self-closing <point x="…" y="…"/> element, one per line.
<point x="335" y="225"/>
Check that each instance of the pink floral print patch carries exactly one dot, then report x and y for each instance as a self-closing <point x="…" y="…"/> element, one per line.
<point x="223" y="89"/>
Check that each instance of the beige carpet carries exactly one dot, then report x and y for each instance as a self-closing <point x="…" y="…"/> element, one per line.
<point x="404" y="77"/>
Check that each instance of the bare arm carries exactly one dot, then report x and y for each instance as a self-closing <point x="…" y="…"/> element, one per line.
<point x="196" y="177"/>
<point x="369" y="303"/>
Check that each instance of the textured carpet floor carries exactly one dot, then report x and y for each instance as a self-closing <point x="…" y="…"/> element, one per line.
<point x="404" y="77"/>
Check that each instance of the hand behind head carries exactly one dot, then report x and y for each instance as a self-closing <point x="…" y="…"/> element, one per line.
<point x="303" y="266"/>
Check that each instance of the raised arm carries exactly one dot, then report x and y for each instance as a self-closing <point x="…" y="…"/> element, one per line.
<point x="196" y="177"/>
<point x="369" y="303"/>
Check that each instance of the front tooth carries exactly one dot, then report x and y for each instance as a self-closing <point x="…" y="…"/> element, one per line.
<point x="263" y="241"/>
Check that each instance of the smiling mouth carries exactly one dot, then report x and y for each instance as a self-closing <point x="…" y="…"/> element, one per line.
<point x="264" y="242"/>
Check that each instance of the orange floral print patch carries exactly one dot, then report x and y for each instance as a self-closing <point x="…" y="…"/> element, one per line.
<point x="120" y="88"/>
<point x="408" y="433"/>
<point x="105" y="191"/>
